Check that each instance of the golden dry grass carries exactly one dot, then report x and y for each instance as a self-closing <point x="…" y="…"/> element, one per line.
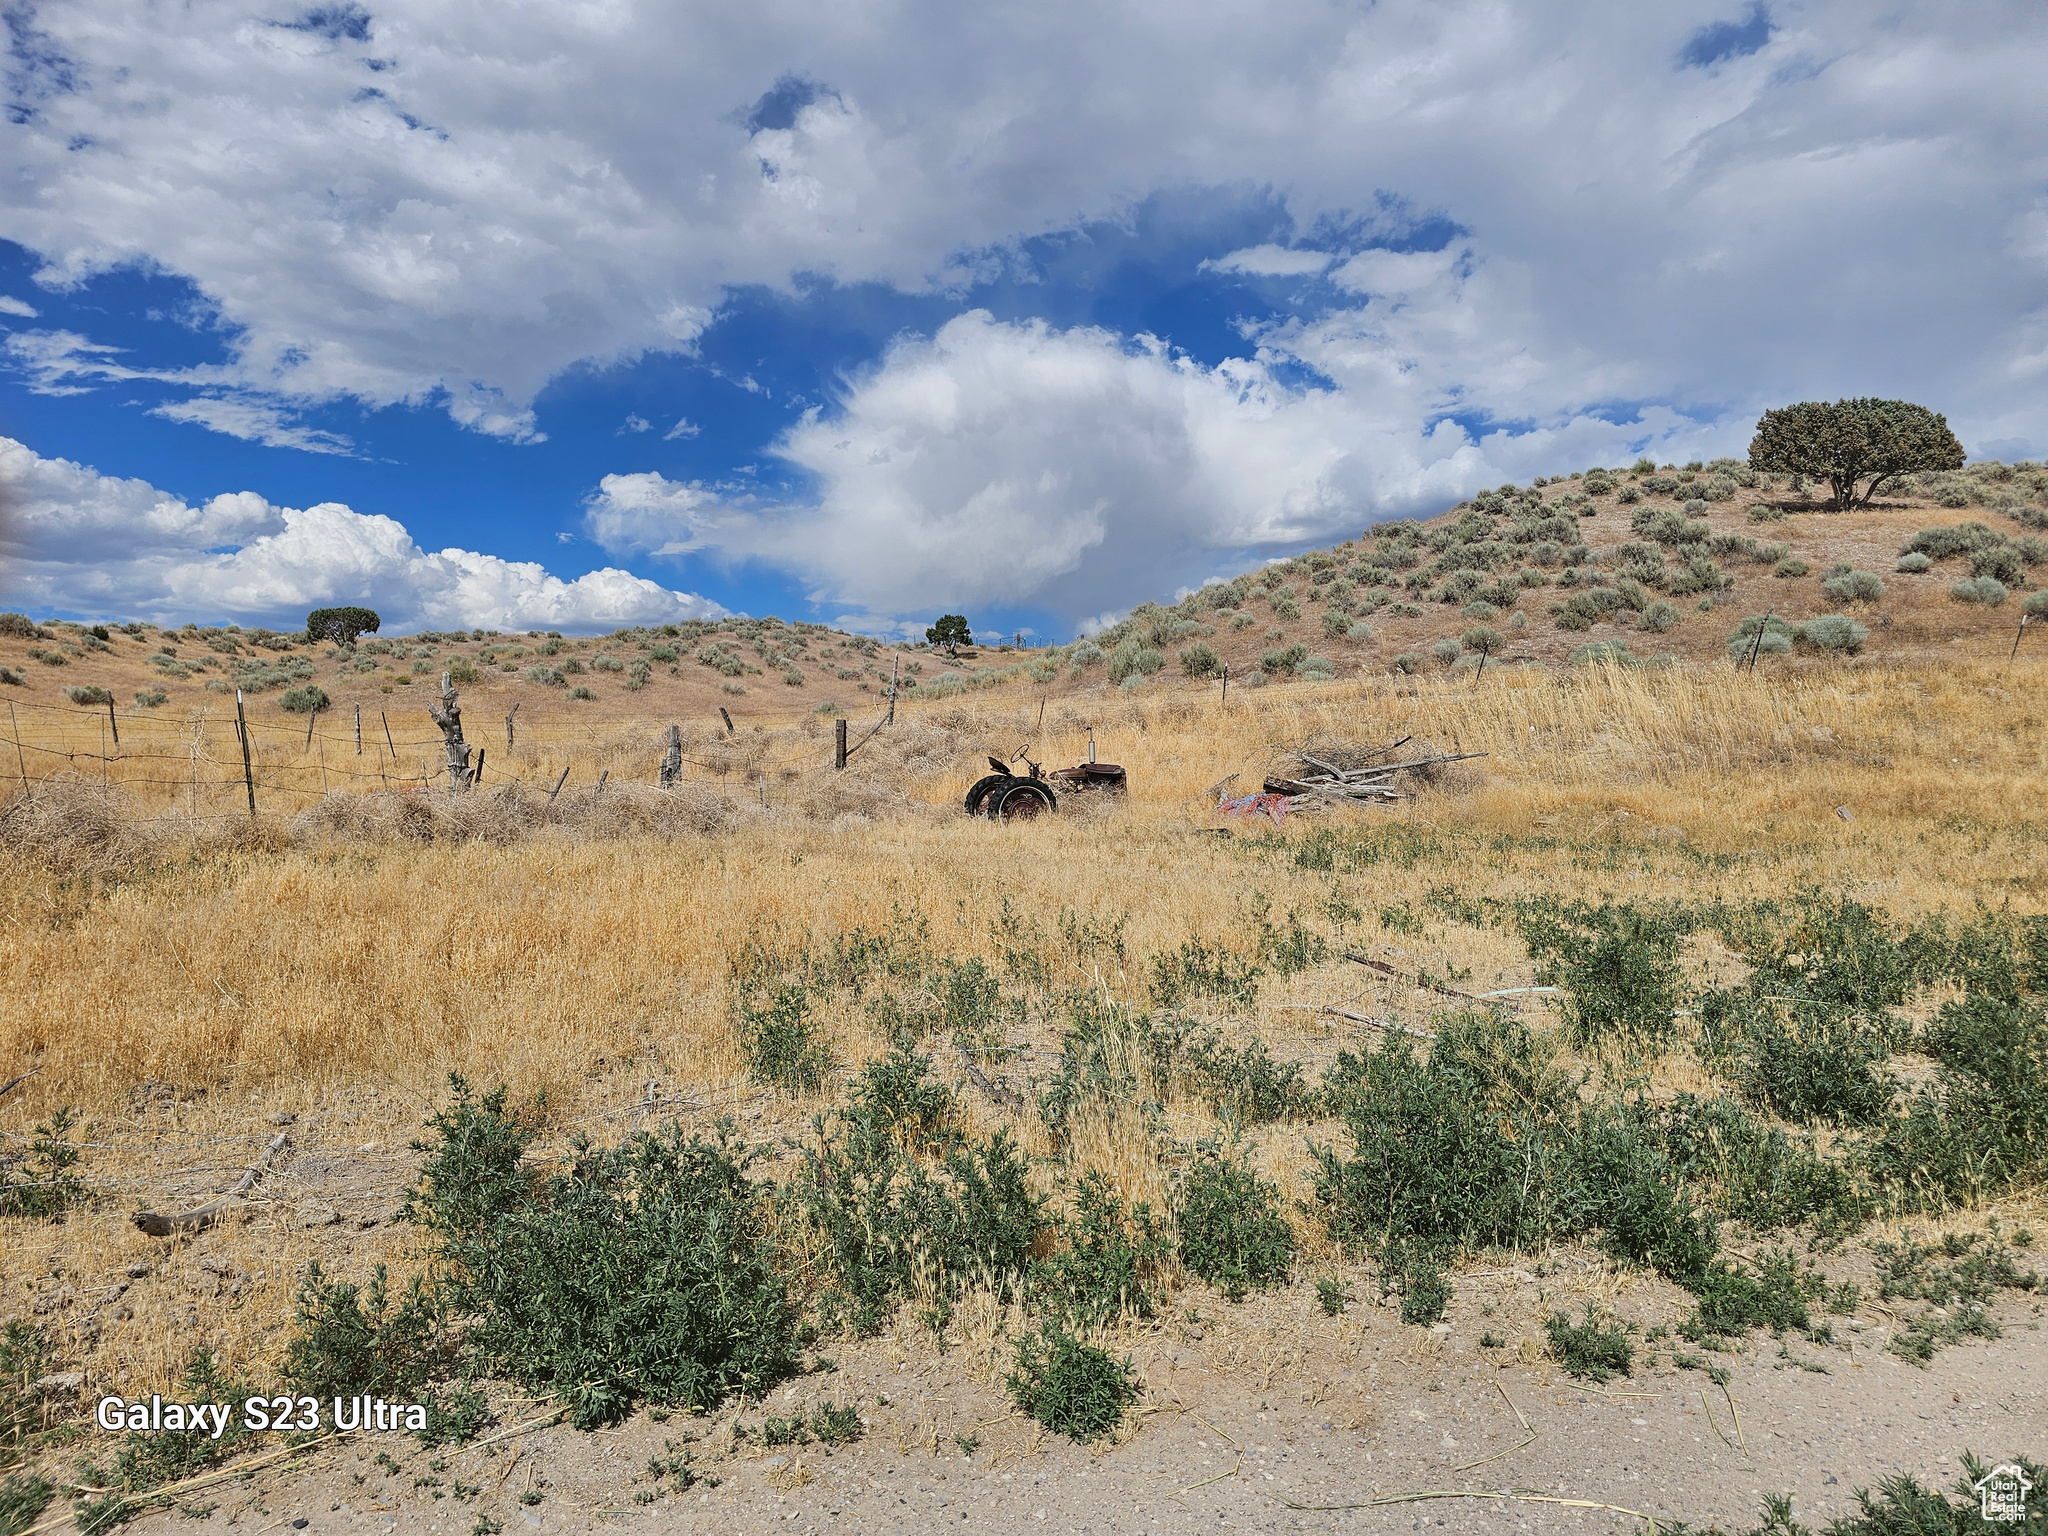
<point x="331" y="964"/>
<point x="331" y="944"/>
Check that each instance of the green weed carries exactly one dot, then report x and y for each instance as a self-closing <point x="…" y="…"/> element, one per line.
<point x="1617" y="964"/>
<point x="1109" y="1262"/>
<point x="1589" y="1350"/>
<point x="782" y="1045"/>
<point x="48" y="1184"/>
<point x="351" y="1339"/>
<point x="1230" y="1227"/>
<point x="642" y="1271"/>
<point x="1073" y="1389"/>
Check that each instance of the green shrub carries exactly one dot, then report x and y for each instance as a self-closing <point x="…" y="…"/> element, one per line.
<point x="1955" y="539"/>
<point x="891" y="1213"/>
<point x="1318" y="669"/>
<point x="782" y="1046"/>
<point x="1816" y="1064"/>
<point x="1416" y="1272"/>
<point x="88" y="693"/>
<point x="1790" y="566"/>
<point x="1408" y="662"/>
<point x="1133" y="658"/>
<point x="306" y="700"/>
<point x="1752" y="1172"/>
<point x="1853" y="587"/>
<point x="1589" y="1350"/>
<point x="1201" y="660"/>
<point x="349" y="1338"/>
<point x="1357" y="634"/>
<point x="1617" y="965"/>
<point x="148" y="1459"/>
<point x="1279" y="659"/>
<point x="1833" y="632"/>
<point x="897" y="1093"/>
<point x="638" y="1272"/>
<point x="1247" y="1083"/>
<point x="1828" y="948"/>
<point x="1443" y="1154"/>
<point x="1776" y="641"/>
<point x="1333" y="1296"/>
<point x="22" y="1498"/>
<point x="1108" y="1264"/>
<point x="1336" y="624"/>
<point x="550" y="677"/>
<point x="1981" y="1127"/>
<point x="1200" y="969"/>
<point x="1484" y="641"/>
<point x="1914" y="564"/>
<point x="1073" y="1389"/>
<point x="45" y="1184"/>
<point x="1230" y="1227"/>
<point x="1445" y="651"/>
<point x="1597" y="653"/>
<point x="1659" y="617"/>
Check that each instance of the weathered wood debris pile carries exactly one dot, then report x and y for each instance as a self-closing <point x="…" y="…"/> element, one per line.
<point x="1321" y="772"/>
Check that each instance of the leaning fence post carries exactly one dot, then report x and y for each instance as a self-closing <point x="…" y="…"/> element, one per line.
<point x="248" y="769"/>
<point x="558" y="784"/>
<point x="14" y="728"/>
<point x="115" y="725"/>
<point x="672" y="756"/>
<point x="839" y="742"/>
<point x="448" y="716"/>
<point x="508" y="725"/>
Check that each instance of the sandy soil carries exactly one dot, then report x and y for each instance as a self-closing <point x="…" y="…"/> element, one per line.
<point x="1386" y="1410"/>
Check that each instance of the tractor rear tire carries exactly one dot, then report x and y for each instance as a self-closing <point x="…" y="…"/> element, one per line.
<point x="980" y="792"/>
<point x="1023" y="801"/>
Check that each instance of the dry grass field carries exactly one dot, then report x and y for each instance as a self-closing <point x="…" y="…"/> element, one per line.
<point x="190" y="978"/>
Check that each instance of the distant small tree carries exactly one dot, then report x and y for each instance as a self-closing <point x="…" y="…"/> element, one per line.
<point x="341" y="625"/>
<point x="951" y="632"/>
<point x="1852" y="440"/>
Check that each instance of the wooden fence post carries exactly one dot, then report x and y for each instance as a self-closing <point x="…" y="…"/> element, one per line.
<point x="839" y="742"/>
<point x="448" y="716"/>
<point x="672" y="756"/>
<point x="248" y="768"/>
<point x="558" y="784"/>
<point x="115" y="725"/>
<point x="726" y="718"/>
<point x="894" y="662"/>
<point x="21" y="762"/>
<point x="359" y="730"/>
<point x="508" y="724"/>
<point x="312" y="714"/>
<point x="387" y="736"/>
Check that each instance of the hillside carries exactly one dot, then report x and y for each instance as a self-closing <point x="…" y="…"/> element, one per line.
<point x="1659" y="562"/>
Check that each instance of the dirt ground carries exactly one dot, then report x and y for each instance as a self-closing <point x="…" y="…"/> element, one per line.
<point x="1263" y="1417"/>
<point x="1386" y="1410"/>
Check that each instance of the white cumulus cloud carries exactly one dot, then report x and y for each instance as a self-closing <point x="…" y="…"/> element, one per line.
<point x="1016" y="463"/>
<point x="77" y="541"/>
<point x="420" y="202"/>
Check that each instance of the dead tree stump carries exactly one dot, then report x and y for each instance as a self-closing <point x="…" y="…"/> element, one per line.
<point x="448" y="716"/>
<point x="672" y="757"/>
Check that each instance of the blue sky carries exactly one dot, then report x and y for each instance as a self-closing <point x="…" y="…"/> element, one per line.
<point x="946" y="315"/>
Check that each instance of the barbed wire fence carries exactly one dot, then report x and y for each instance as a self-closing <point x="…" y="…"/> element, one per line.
<point x="222" y="764"/>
